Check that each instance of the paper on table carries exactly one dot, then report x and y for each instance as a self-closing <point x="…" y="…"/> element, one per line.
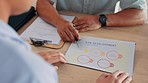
<point x="40" y="29"/>
<point x="102" y="54"/>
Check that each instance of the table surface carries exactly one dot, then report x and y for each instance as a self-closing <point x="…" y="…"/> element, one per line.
<point x="75" y="74"/>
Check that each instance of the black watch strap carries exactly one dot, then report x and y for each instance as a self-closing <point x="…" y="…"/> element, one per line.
<point x="103" y="20"/>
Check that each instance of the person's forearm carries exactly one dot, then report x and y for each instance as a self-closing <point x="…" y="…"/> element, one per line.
<point x="47" y="12"/>
<point x="128" y="17"/>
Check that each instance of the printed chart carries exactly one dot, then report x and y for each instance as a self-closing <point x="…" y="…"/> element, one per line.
<point x="102" y="54"/>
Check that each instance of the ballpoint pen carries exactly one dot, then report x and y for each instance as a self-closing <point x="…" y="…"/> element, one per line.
<point x="76" y="39"/>
<point x="77" y="42"/>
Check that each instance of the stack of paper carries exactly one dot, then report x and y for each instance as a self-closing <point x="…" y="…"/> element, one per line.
<point x="40" y="29"/>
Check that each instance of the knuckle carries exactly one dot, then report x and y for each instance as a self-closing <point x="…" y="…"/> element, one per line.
<point x="112" y="76"/>
<point x="78" y="23"/>
<point x="117" y="81"/>
<point x="64" y="39"/>
<point x="60" y="59"/>
<point x="58" y="56"/>
<point x="72" y="39"/>
<point x="86" y="29"/>
<point x="45" y="54"/>
<point x="70" y="34"/>
<point x="124" y="75"/>
<point x="78" y="27"/>
<point x="66" y="28"/>
<point x="61" y="35"/>
<point x="58" y="52"/>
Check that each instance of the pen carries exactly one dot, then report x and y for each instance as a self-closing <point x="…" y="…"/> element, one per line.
<point x="77" y="42"/>
<point x="76" y="37"/>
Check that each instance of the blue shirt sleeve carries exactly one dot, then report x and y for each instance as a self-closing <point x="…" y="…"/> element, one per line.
<point x="20" y="65"/>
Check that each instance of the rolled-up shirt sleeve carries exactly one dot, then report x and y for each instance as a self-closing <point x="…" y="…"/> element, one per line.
<point x="139" y="4"/>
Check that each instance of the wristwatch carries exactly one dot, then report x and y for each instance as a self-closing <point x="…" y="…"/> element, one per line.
<point x="103" y="20"/>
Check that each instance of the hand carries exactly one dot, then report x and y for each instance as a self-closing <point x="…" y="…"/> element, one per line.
<point x="88" y="23"/>
<point x="53" y="57"/>
<point x="67" y="32"/>
<point x="116" y="77"/>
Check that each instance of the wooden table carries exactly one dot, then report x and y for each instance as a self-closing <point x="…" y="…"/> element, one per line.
<point x="74" y="74"/>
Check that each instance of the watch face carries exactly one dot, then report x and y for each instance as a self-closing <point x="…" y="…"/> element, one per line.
<point x="103" y="19"/>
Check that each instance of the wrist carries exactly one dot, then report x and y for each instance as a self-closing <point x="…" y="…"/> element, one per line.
<point x="61" y="23"/>
<point x="110" y="18"/>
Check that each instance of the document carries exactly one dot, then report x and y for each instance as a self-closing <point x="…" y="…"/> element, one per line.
<point x="102" y="54"/>
<point x="40" y="29"/>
